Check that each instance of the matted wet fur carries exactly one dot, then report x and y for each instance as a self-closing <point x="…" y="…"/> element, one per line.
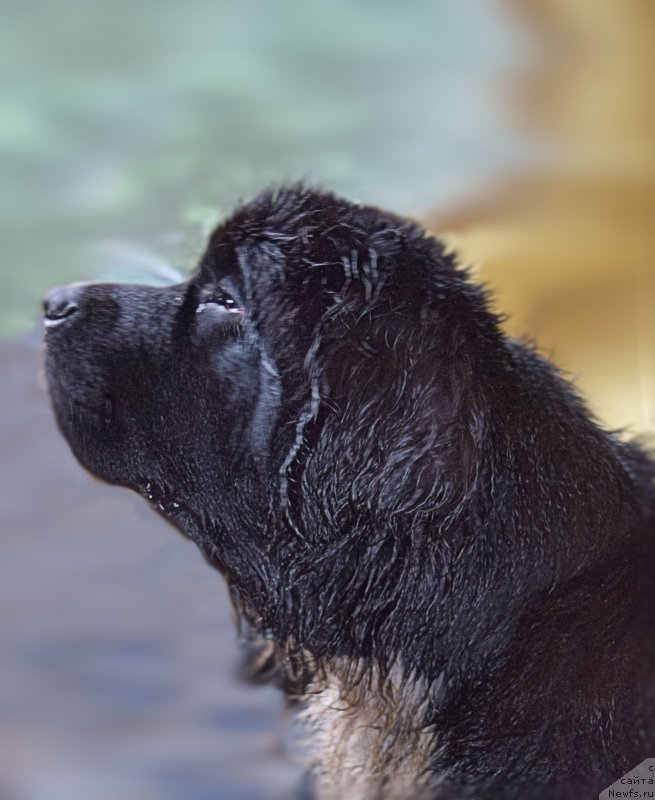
<point x="454" y="565"/>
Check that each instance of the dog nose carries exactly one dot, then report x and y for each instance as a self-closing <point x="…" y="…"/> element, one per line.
<point x="60" y="303"/>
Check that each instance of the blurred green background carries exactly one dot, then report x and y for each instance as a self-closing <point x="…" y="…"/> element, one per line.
<point x="128" y="128"/>
<point x="132" y="125"/>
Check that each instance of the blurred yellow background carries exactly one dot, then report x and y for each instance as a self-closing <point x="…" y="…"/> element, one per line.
<point x="569" y="246"/>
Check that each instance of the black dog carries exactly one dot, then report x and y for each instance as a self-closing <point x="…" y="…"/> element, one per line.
<point x="454" y="564"/>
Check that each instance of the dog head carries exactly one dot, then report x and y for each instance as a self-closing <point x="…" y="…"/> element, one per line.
<point x="313" y="381"/>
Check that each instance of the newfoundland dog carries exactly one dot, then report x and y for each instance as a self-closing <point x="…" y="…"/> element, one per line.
<point x="450" y="563"/>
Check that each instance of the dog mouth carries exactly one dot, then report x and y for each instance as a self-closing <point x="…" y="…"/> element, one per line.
<point x="168" y="506"/>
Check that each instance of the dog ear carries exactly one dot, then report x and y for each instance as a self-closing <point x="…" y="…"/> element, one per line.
<point x="391" y="419"/>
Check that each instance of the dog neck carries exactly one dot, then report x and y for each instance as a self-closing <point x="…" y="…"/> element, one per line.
<point x="364" y="732"/>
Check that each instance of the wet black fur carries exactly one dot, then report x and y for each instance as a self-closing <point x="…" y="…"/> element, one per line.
<point x="382" y="475"/>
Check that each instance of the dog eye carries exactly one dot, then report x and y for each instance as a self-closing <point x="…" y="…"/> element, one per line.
<point x="224" y="301"/>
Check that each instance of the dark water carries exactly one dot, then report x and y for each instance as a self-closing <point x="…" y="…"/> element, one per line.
<point x="117" y="652"/>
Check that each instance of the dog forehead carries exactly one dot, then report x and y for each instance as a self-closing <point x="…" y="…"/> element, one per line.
<point x="301" y="251"/>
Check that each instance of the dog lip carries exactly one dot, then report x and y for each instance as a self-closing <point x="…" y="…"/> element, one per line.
<point x="166" y="505"/>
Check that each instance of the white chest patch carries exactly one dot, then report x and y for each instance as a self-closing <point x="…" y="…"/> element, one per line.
<point x="366" y="737"/>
